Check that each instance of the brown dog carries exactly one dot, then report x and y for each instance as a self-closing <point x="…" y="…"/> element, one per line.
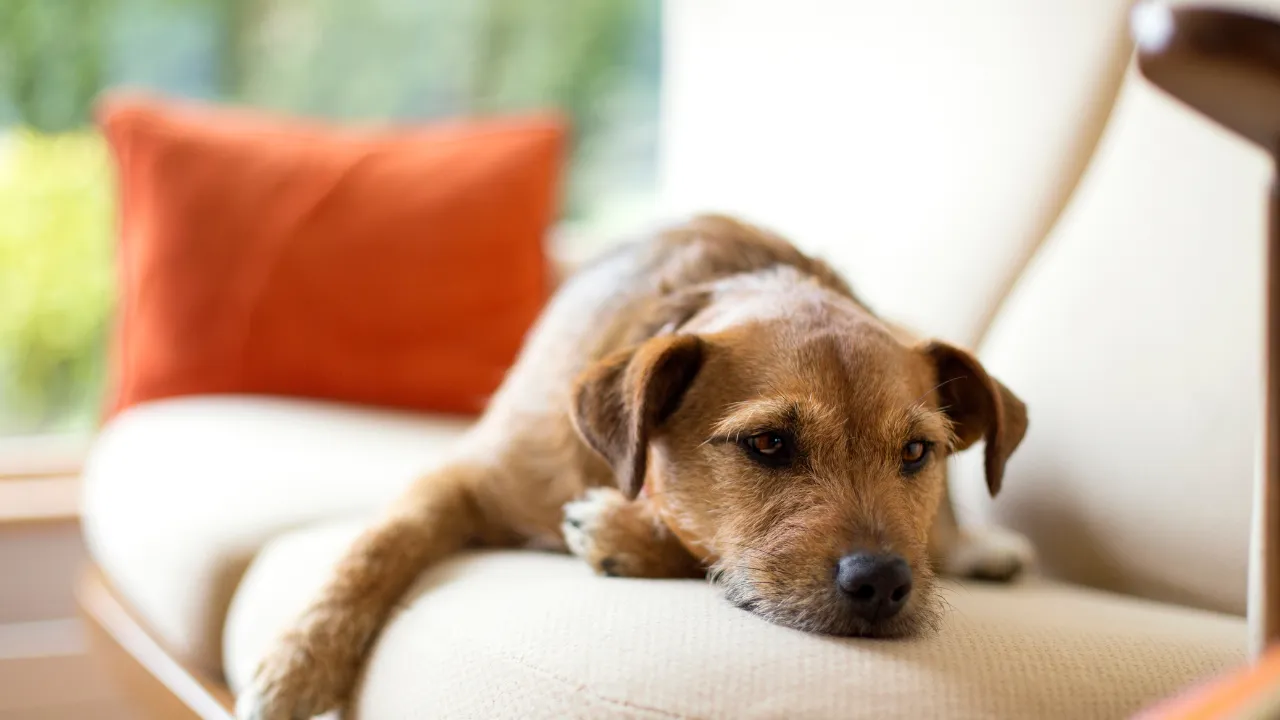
<point x="711" y="401"/>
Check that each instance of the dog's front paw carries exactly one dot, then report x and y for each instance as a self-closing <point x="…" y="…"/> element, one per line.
<point x="623" y="538"/>
<point x="989" y="553"/>
<point x="288" y="685"/>
<point x="587" y="530"/>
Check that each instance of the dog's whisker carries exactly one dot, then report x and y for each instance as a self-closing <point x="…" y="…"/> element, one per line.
<point x="750" y="565"/>
<point x="751" y="548"/>
<point x="938" y="386"/>
<point x="759" y="555"/>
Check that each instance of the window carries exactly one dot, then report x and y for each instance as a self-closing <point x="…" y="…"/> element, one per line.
<point x="338" y="59"/>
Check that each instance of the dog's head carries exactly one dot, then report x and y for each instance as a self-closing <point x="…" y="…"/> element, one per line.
<point x="798" y="444"/>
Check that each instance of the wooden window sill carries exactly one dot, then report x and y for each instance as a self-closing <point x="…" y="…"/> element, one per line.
<point x="40" y="499"/>
<point x="30" y="456"/>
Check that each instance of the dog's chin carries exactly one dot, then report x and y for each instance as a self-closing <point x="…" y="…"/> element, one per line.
<point x="832" y="615"/>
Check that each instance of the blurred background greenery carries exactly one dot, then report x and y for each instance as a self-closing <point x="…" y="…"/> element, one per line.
<point x="348" y="60"/>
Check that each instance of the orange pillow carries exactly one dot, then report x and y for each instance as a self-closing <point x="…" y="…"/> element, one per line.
<point x="257" y="254"/>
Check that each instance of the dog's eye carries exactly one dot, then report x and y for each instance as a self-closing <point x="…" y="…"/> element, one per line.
<point x="767" y="443"/>
<point x="914" y="455"/>
<point x="770" y="448"/>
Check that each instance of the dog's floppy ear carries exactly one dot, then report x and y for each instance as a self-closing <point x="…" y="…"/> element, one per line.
<point x="979" y="407"/>
<point x="620" y="399"/>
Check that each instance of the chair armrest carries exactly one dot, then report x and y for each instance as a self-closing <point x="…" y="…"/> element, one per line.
<point x="1225" y="64"/>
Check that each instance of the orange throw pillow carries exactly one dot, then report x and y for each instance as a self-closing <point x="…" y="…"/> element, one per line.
<point x="257" y="254"/>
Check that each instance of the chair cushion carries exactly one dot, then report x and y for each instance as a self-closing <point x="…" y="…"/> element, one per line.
<point x="533" y="635"/>
<point x="180" y="494"/>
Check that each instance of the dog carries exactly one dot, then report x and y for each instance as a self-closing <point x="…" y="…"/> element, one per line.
<point x="708" y="402"/>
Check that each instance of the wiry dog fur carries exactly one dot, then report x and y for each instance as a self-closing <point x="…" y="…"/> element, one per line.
<point x="620" y="434"/>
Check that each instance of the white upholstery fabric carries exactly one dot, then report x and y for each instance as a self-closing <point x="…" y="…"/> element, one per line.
<point x="1135" y="339"/>
<point x="925" y="147"/>
<point x="529" y="635"/>
<point x="180" y="494"/>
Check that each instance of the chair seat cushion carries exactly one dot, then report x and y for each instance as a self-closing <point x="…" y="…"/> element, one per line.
<point x="522" y="634"/>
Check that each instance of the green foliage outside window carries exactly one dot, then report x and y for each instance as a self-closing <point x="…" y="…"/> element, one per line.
<point x="55" y="278"/>
<point x="370" y="60"/>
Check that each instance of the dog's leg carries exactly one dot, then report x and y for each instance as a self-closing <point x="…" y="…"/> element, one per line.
<point x="983" y="552"/>
<point x="989" y="553"/>
<point x="624" y="538"/>
<point x="313" y="667"/>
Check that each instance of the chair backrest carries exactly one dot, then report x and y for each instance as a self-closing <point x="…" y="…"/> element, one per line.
<point x="994" y="173"/>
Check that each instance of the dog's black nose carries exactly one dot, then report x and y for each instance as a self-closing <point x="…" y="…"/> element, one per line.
<point x="877" y="585"/>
